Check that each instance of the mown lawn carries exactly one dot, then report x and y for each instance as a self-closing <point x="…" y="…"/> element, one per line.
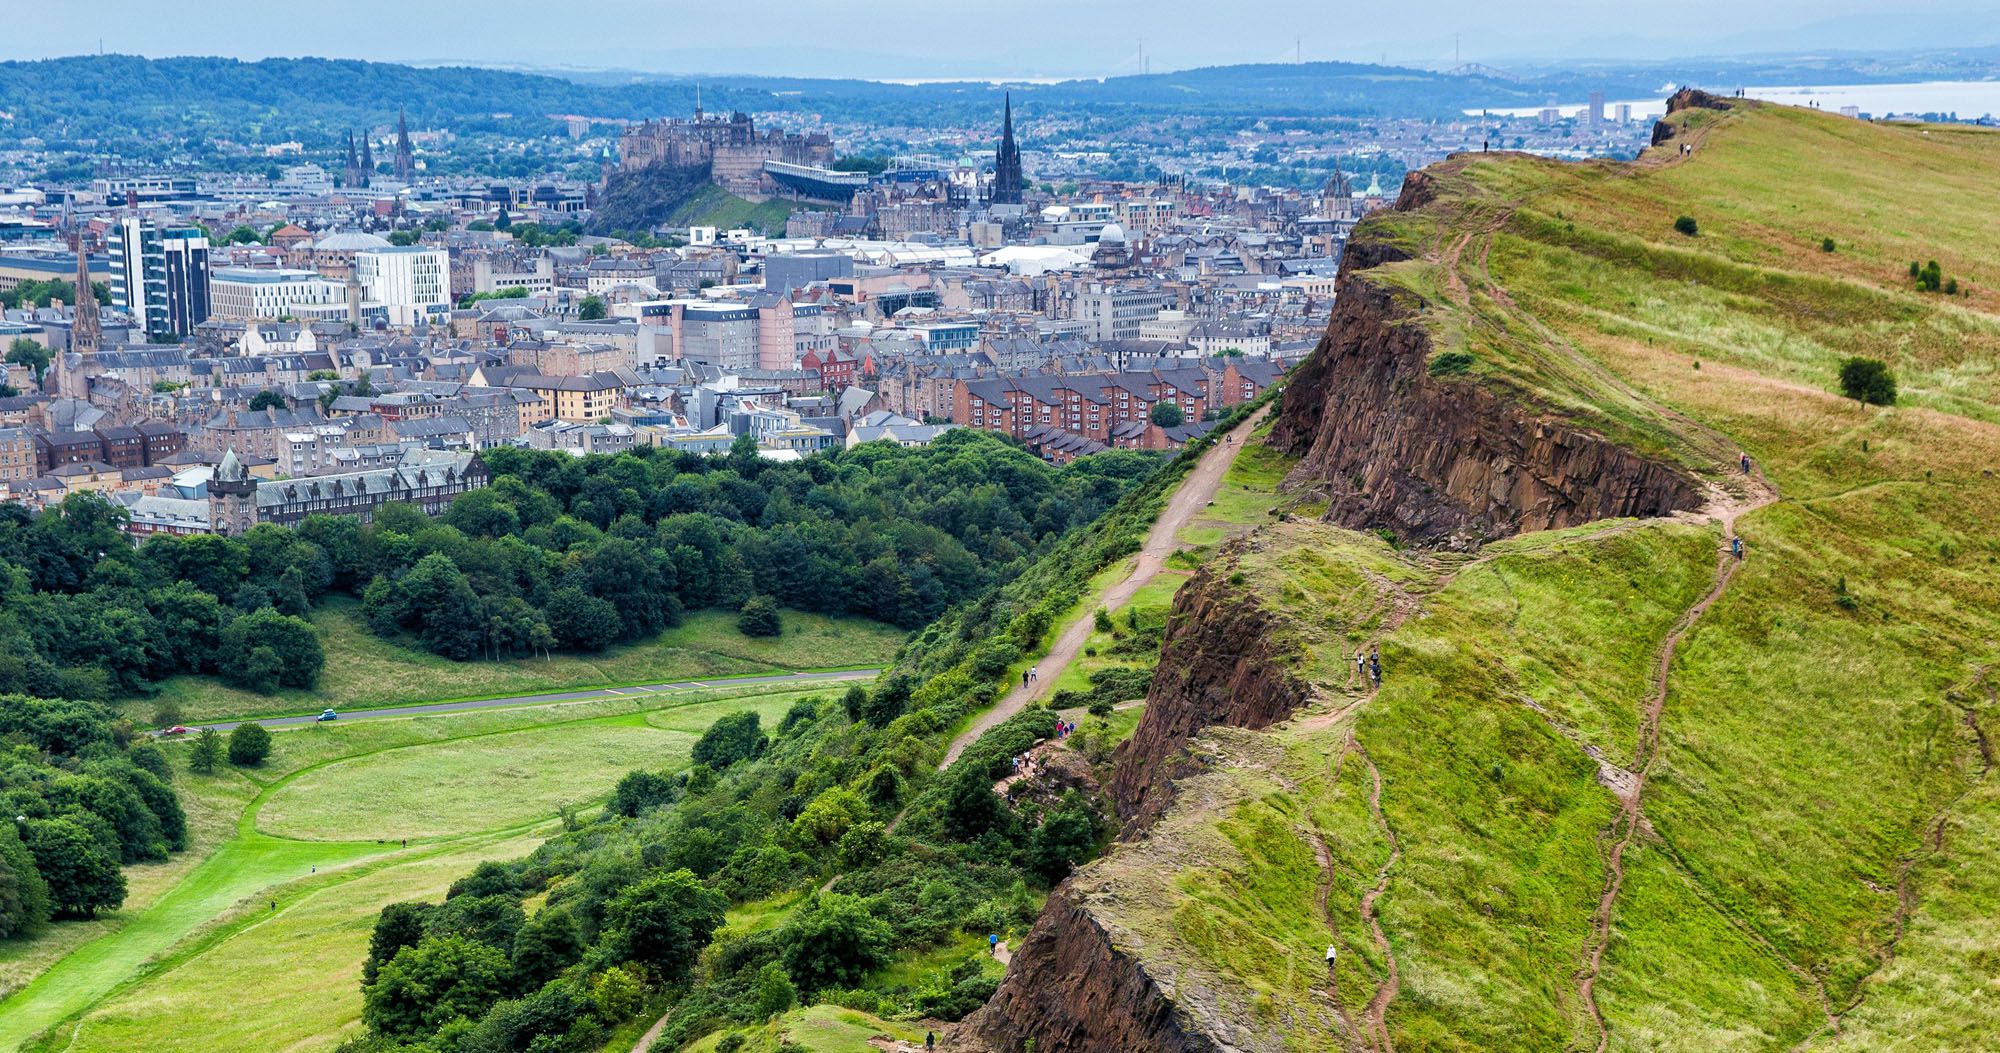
<point x="364" y="670"/>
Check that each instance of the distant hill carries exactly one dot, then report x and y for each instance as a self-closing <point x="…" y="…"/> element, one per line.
<point x="112" y="98"/>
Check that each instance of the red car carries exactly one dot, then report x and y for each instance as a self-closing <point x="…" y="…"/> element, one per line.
<point x="177" y="729"/>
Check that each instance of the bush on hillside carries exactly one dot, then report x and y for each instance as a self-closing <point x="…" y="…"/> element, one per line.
<point x="1868" y="380"/>
<point x="1686" y="225"/>
<point x="759" y="617"/>
<point x="249" y="744"/>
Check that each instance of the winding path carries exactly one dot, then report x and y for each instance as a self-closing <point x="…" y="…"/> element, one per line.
<point x="1193" y="495"/>
<point x="1725" y="509"/>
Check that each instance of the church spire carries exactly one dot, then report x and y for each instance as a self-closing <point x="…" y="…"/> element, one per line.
<point x="406" y="164"/>
<point x="353" y="174"/>
<point x="86" y="333"/>
<point x="1007" y="182"/>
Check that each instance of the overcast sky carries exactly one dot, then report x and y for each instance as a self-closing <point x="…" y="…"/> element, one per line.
<point x="893" y="39"/>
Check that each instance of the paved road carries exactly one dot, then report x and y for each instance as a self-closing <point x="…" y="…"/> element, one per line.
<point x="565" y="696"/>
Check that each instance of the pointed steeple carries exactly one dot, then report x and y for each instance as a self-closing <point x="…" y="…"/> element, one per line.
<point x="86" y="333"/>
<point x="1007" y="182"/>
<point x="352" y="176"/>
<point x="406" y="162"/>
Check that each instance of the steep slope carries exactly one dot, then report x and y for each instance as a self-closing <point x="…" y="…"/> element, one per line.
<point x="1617" y="789"/>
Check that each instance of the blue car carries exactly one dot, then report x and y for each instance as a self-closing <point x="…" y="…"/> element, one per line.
<point x="326" y="715"/>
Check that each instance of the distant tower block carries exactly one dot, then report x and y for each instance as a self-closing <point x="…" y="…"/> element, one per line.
<point x="1594" y="120"/>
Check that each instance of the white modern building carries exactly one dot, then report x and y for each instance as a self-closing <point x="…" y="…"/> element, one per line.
<point x="159" y="275"/>
<point x="247" y="294"/>
<point x="411" y="283"/>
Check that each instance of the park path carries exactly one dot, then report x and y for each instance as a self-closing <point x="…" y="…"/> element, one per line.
<point x="1193" y="495"/>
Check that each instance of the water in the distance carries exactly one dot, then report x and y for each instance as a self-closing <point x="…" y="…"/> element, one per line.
<point x="1967" y="98"/>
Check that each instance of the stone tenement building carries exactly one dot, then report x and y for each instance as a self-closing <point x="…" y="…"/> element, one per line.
<point x="732" y="147"/>
<point x="429" y="479"/>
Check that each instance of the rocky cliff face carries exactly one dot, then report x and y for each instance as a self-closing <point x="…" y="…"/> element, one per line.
<point x="1220" y="665"/>
<point x="1073" y="991"/>
<point x="1443" y="461"/>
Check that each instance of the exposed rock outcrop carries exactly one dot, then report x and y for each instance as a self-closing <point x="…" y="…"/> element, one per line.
<point x="1220" y="665"/>
<point x="1074" y="991"/>
<point x="1438" y="460"/>
<point x="1686" y="99"/>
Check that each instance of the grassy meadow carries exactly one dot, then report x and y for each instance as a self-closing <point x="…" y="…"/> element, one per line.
<point x="364" y="670"/>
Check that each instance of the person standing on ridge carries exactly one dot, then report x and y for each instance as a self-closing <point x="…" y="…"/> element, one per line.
<point x="1375" y="666"/>
<point x="1736" y="547"/>
<point x="1360" y="668"/>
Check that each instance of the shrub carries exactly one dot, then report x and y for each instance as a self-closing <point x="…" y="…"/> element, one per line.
<point x="759" y="617"/>
<point x="1167" y="415"/>
<point x="1868" y="380"/>
<point x="833" y="939"/>
<point x="1101" y="621"/>
<point x="1826" y="245"/>
<point x="1451" y="363"/>
<point x="732" y="738"/>
<point x="1686" y="225"/>
<point x="249" y="744"/>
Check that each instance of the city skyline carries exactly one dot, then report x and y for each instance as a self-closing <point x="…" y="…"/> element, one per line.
<point x="903" y="40"/>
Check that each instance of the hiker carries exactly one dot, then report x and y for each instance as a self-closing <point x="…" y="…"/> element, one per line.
<point x="1736" y="547"/>
<point x="1024" y="678"/>
<point x="1360" y="667"/>
<point x="993" y="944"/>
<point x="1744" y="459"/>
<point x="1375" y="667"/>
<point x="930" y="1041"/>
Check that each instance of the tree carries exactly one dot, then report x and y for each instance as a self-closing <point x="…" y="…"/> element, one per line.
<point x="641" y="791"/>
<point x="833" y="940"/>
<point x="664" y="921"/>
<point x="732" y="738"/>
<point x="1167" y="415"/>
<point x="580" y="621"/>
<point x="292" y="643"/>
<point x="24" y="896"/>
<point x="1868" y="380"/>
<point x="547" y="944"/>
<point x="591" y="309"/>
<point x="266" y="399"/>
<point x="427" y="986"/>
<point x="1066" y="838"/>
<point x="399" y="925"/>
<point x="207" y="752"/>
<point x="759" y="617"/>
<point x="82" y="877"/>
<point x="26" y="352"/>
<point x="1686" y="225"/>
<point x="249" y="744"/>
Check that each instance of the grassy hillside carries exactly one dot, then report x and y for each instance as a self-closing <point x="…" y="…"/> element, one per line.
<point x="1809" y="857"/>
<point x="715" y="207"/>
<point x="364" y="670"/>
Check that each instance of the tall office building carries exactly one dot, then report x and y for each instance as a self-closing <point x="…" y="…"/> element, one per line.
<point x="412" y="282"/>
<point x="159" y="275"/>
<point x="1595" y="117"/>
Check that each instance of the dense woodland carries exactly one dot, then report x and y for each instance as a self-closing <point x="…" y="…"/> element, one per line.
<point x="79" y="800"/>
<point x="632" y="901"/>
<point x="558" y="553"/>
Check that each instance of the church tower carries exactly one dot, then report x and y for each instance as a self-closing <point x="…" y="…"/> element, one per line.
<point x="351" y="175"/>
<point x="86" y="332"/>
<point x="1007" y="163"/>
<point x="232" y="497"/>
<point x="406" y="161"/>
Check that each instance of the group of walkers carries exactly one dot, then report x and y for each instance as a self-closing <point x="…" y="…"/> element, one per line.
<point x="1030" y="673"/>
<point x="1367" y="667"/>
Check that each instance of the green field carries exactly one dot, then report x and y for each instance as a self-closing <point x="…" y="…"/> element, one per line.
<point x="364" y="670"/>
<point x="201" y="959"/>
<point x="1814" y="856"/>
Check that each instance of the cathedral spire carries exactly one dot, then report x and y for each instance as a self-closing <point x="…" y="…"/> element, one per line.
<point x="86" y="333"/>
<point x="1007" y="182"/>
<point x="352" y="176"/>
<point x="406" y="164"/>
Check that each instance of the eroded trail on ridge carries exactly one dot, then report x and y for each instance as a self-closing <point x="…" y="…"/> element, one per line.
<point x="1724" y="508"/>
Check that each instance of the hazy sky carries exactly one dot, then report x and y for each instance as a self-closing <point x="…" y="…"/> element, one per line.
<point x="891" y="39"/>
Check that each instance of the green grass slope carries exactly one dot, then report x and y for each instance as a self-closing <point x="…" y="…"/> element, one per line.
<point x="1813" y="854"/>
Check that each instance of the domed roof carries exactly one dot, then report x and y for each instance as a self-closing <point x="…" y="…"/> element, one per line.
<point x="1112" y="232"/>
<point x="349" y="241"/>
